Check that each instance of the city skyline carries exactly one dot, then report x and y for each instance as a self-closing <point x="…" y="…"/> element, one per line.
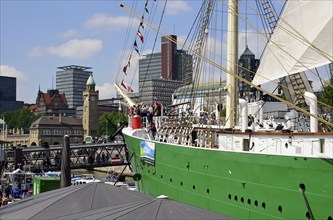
<point x="37" y="37"/>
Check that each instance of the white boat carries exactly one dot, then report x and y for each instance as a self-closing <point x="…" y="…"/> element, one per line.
<point x="84" y="179"/>
<point x="118" y="180"/>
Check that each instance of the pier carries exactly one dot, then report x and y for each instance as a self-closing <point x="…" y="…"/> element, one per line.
<point x="82" y="156"/>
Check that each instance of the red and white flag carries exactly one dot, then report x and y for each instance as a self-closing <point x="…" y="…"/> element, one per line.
<point x="123" y="85"/>
<point x="140" y="36"/>
<point x="129" y="89"/>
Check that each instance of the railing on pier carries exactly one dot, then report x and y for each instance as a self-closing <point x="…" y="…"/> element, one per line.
<point x="37" y="159"/>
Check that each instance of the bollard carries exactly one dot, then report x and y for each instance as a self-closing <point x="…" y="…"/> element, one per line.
<point x="65" y="177"/>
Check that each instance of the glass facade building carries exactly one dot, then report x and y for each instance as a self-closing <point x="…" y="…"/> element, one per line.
<point x="72" y="80"/>
<point x="160" y="90"/>
<point x="150" y="67"/>
<point x="161" y="73"/>
<point x="8" y="94"/>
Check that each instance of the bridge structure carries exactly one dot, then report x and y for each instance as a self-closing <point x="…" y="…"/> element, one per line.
<point x="84" y="156"/>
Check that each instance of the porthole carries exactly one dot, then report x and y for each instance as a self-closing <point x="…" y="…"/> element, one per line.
<point x="307" y="215"/>
<point x="256" y="203"/>
<point x="263" y="205"/>
<point x="280" y="209"/>
<point x="242" y="200"/>
<point x="249" y="201"/>
<point x="302" y="187"/>
<point x="229" y="196"/>
<point x="193" y="186"/>
<point x="170" y="180"/>
<point x="236" y="198"/>
<point x="181" y="183"/>
<point x="207" y="191"/>
<point x="161" y="176"/>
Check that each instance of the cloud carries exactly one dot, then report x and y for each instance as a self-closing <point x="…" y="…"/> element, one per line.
<point x="13" y="72"/>
<point x="73" y="49"/>
<point x="104" y="20"/>
<point x="255" y="41"/>
<point x="69" y="33"/>
<point x="106" y="91"/>
<point x="21" y="79"/>
<point x="177" y="6"/>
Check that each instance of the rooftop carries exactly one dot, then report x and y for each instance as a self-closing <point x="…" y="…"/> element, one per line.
<point x="70" y="67"/>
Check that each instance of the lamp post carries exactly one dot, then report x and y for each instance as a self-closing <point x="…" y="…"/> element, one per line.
<point x="106" y="127"/>
<point x="3" y="128"/>
<point x="119" y="109"/>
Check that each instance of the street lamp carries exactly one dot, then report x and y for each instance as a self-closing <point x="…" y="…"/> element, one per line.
<point x="119" y="109"/>
<point x="3" y="128"/>
<point x="106" y="127"/>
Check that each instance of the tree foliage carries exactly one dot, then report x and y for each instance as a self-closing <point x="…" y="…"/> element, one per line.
<point x="327" y="95"/>
<point x="21" y="118"/>
<point x="116" y="119"/>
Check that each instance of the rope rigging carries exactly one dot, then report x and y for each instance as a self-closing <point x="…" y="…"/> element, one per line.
<point x="203" y="58"/>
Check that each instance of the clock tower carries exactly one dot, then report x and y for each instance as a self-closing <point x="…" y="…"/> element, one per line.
<point x="90" y="120"/>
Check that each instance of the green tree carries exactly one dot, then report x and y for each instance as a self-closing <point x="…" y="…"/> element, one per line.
<point x="116" y="118"/>
<point x="21" y="118"/>
<point x="223" y="112"/>
<point x="326" y="95"/>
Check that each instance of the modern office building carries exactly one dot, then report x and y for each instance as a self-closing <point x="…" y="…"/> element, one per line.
<point x="8" y="95"/>
<point x="150" y="67"/>
<point x="72" y="80"/>
<point x="183" y="67"/>
<point x="248" y="62"/>
<point x="176" y="64"/>
<point x="160" y="90"/>
<point x="161" y="73"/>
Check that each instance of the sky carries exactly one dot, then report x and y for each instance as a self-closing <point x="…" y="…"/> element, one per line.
<point x="38" y="36"/>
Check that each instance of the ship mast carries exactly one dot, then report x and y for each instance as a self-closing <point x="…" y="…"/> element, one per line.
<point x="232" y="56"/>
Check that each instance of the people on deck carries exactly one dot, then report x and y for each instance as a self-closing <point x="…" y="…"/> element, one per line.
<point x="152" y="130"/>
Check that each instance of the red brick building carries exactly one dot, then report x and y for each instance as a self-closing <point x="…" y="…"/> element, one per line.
<point x="51" y="103"/>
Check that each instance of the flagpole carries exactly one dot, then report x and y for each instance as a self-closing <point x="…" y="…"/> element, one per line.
<point x="127" y="99"/>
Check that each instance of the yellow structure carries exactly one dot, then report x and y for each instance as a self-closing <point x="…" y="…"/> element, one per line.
<point x="90" y="109"/>
<point x="50" y="130"/>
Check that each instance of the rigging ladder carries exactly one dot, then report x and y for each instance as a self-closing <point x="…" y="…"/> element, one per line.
<point x="293" y="85"/>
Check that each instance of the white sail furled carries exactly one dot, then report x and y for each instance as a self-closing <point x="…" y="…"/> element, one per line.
<point x="302" y="40"/>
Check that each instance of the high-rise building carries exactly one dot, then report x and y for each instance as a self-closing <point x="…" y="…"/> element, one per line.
<point x="160" y="90"/>
<point x="183" y="67"/>
<point x="8" y="95"/>
<point x="176" y="64"/>
<point x="71" y="80"/>
<point x="248" y="66"/>
<point x="168" y="50"/>
<point x="161" y="73"/>
<point x="150" y="67"/>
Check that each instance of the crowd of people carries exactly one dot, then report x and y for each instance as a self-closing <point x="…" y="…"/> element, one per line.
<point x="148" y="111"/>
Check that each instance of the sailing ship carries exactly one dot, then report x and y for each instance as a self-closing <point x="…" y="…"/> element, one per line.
<point x="272" y="169"/>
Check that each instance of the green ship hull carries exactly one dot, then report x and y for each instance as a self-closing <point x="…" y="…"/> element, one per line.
<point x="235" y="184"/>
